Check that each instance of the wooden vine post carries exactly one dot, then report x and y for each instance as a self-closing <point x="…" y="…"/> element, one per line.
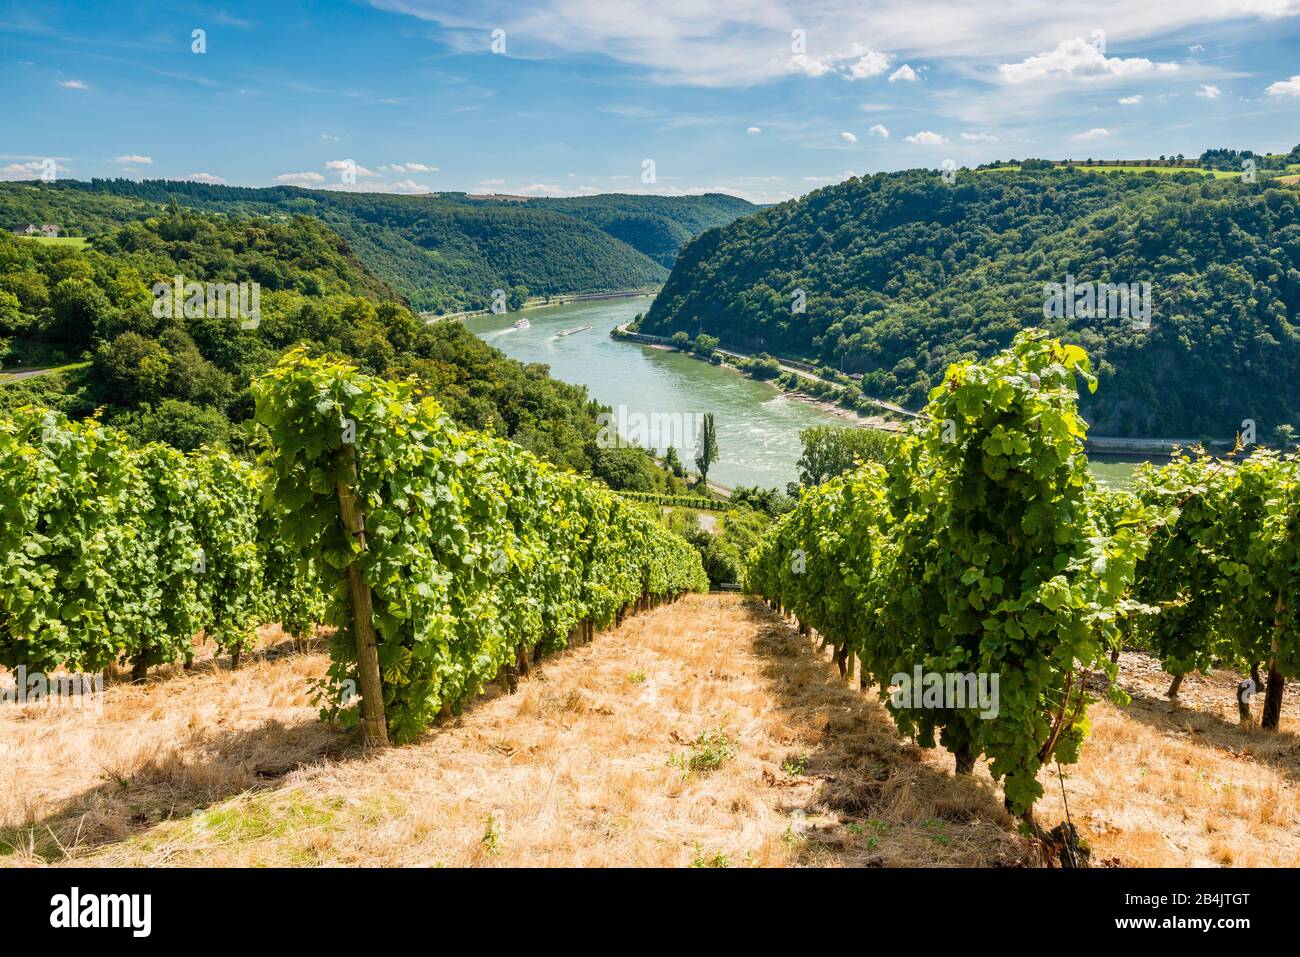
<point x="374" y="725"/>
<point x="1272" y="714"/>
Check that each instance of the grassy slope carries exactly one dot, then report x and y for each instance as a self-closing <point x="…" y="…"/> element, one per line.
<point x="584" y="766"/>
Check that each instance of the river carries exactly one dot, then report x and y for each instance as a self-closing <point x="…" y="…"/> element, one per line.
<point x="758" y="427"/>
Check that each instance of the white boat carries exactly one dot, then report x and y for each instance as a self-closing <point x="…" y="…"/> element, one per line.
<point x="568" y="332"/>
<point x="522" y="323"/>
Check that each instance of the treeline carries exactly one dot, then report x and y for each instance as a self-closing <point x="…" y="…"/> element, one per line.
<point x="896" y="276"/>
<point x="1232" y="160"/>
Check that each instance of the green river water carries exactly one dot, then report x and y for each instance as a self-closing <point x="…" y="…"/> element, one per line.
<point x="758" y="427"/>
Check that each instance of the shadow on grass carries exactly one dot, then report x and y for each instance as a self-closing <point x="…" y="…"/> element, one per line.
<point x="1278" y="749"/>
<point x="876" y="803"/>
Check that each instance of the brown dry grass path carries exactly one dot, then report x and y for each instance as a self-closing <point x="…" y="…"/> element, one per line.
<point x="704" y="732"/>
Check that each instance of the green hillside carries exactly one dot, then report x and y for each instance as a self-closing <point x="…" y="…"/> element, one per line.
<point x="88" y="315"/>
<point x="658" y="226"/>
<point x="904" y="274"/>
<point x="443" y="252"/>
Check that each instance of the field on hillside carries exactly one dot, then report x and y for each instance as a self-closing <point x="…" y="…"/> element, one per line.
<point x="1163" y="170"/>
<point x="75" y="241"/>
<point x="705" y="732"/>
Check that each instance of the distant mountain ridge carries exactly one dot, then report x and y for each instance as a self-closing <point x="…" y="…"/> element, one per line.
<point x="443" y="252"/>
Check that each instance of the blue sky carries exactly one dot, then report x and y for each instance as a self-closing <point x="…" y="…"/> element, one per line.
<point x="762" y="98"/>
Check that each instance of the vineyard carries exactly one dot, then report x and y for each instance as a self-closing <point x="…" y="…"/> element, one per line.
<point x="985" y="547"/>
<point x="444" y="559"/>
<point x="446" y="563"/>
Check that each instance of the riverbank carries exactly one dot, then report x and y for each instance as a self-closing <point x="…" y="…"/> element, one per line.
<point x="758" y="428"/>
<point x="851" y="416"/>
<point x="541" y="302"/>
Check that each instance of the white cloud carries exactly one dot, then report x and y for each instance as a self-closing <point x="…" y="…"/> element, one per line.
<point x="299" y="179"/>
<point x="1196" y="48"/>
<point x="926" y="138"/>
<point x="347" y="164"/>
<point x="1133" y="100"/>
<point x="1289" y="87"/>
<point x="809" y="66"/>
<point x="408" y="168"/>
<point x="31" y="169"/>
<point x="204" y="178"/>
<point x="1096" y="133"/>
<point x="73" y="85"/>
<point x="836" y="178"/>
<point x="979" y="137"/>
<point x="492" y="182"/>
<point x="904" y="72"/>
<point x="1077" y="59"/>
<point x="329" y="136"/>
<point x="745" y="42"/>
<point x="871" y="63"/>
<point x="134" y="159"/>
<point x="880" y="131"/>
<point x="408" y="186"/>
<point x="754" y="129"/>
<point x="848" y="137"/>
<point x="1209" y="91"/>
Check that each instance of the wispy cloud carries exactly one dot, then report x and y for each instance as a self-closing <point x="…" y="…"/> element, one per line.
<point x="747" y="42"/>
<point x="300" y="179"/>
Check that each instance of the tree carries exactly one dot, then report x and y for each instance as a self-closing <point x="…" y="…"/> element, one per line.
<point x="132" y="369"/>
<point x="11" y="311"/>
<point x="517" y="297"/>
<point x="673" y="462"/>
<point x="705" y="344"/>
<point x="79" y="308"/>
<point x="830" y="450"/>
<point x="708" y="448"/>
<point x="1284" y="435"/>
<point x="681" y="340"/>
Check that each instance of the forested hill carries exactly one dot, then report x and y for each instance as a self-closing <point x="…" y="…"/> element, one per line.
<point x="658" y="226"/>
<point x="904" y="274"/>
<point x="184" y="378"/>
<point x="443" y="252"/>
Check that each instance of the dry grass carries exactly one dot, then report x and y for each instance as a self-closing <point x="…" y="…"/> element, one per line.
<point x="1162" y="784"/>
<point x="705" y="732"/>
